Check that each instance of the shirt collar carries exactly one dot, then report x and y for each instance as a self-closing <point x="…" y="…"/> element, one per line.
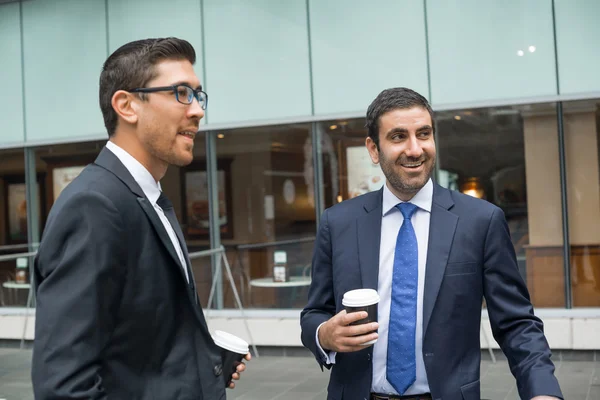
<point x="422" y="199"/>
<point x="142" y="176"/>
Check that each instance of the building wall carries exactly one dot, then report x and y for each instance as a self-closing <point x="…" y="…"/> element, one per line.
<point x="264" y="60"/>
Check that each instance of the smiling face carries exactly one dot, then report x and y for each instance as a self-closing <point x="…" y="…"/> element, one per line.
<point x="166" y="128"/>
<point x="406" y="151"/>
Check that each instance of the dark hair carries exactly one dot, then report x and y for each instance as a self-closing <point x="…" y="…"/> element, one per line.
<point x="132" y="66"/>
<point x="392" y="99"/>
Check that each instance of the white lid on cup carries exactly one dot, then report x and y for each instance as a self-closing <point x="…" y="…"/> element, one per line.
<point x="230" y="342"/>
<point x="360" y="298"/>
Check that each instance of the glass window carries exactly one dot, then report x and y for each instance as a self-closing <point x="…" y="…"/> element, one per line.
<point x="509" y="156"/>
<point x="256" y="59"/>
<point x="582" y="133"/>
<point x="348" y="66"/>
<point x="14" y="274"/>
<point x="54" y="32"/>
<point x="505" y="155"/>
<point x="11" y="95"/>
<point x="185" y="187"/>
<point x="485" y="50"/>
<point x="347" y="167"/>
<point x="578" y="57"/>
<point x="267" y="208"/>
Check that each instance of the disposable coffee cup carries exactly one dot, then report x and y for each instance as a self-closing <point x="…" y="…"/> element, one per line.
<point x="233" y="350"/>
<point x="362" y="300"/>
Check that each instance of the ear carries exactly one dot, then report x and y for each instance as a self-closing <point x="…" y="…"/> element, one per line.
<point x="373" y="151"/>
<point x="124" y="104"/>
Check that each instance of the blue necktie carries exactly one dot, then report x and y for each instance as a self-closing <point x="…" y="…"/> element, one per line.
<point x="401" y="369"/>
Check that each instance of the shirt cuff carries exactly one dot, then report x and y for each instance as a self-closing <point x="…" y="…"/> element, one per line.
<point x="329" y="357"/>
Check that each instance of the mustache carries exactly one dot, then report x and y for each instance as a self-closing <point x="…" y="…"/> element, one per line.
<point x="411" y="160"/>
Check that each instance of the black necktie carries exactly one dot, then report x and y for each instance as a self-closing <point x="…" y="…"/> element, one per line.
<point x="167" y="207"/>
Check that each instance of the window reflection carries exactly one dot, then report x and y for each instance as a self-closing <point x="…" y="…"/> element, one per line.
<point x="505" y="155"/>
<point x="582" y="132"/>
<point x="509" y="157"/>
<point x="272" y="209"/>
<point x="13" y="228"/>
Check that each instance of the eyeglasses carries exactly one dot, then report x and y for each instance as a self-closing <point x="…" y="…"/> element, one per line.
<point x="183" y="93"/>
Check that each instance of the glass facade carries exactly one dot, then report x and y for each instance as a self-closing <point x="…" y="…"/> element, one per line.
<point x="582" y="134"/>
<point x="516" y="107"/>
<point x="270" y="209"/>
<point x="267" y="196"/>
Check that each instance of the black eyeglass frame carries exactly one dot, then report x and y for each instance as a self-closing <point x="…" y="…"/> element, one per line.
<point x="197" y="93"/>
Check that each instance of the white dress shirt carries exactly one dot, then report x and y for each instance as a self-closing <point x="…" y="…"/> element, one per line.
<point x="391" y="221"/>
<point x="152" y="190"/>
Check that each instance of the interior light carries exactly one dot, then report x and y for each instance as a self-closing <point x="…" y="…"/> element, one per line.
<point x="457" y="117"/>
<point x="339" y="198"/>
<point x="472" y="187"/>
<point x="220" y="136"/>
<point x="531" y="49"/>
<point x="520" y="53"/>
<point x="332" y="127"/>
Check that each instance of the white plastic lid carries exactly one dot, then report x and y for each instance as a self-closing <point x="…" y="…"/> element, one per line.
<point x="360" y="298"/>
<point x="230" y="342"/>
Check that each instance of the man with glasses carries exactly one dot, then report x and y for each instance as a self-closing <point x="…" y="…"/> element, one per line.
<point x="118" y="313"/>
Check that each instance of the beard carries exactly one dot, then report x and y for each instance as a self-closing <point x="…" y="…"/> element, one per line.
<point x="168" y="150"/>
<point x="406" y="184"/>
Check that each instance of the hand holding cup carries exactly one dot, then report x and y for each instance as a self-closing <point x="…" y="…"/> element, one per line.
<point x="241" y="367"/>
<point x="233" y="351"/>
<point x="354" y="327"/>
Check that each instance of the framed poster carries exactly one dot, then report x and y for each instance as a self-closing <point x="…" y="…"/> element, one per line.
<point x="363" y="175"/>
<point x="16" y="208"/>
<point x="62" y="176"/>
<point x="62" y="170"/>
<point x="17" y="212"/>
<point x="196" y="224"/>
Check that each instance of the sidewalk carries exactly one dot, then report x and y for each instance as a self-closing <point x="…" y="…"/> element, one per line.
<point x="299" y="378"/>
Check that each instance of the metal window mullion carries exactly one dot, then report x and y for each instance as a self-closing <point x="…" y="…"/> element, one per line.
<point x="33" y="216"/>
<point x="565" y="208"/>
<point x="317" y="155"/>
<point x="213" y="201"/>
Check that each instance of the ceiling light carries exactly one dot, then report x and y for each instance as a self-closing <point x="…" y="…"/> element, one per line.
<point x="220" y="136"/>
<point x="332" y="127"/>
<point x="520" y="53"/>
<point x="531" y="49"/>
<point x="457" y="117"/>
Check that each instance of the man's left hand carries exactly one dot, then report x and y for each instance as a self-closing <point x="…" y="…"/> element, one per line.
<point x="240" y="368"/>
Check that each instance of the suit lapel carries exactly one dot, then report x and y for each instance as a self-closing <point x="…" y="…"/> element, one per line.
<point x="166" y="241"/>
<point x="161" y="232"/>
<point x="368" y="228"/>
<point x="109" y="161"/>
<point x="186" y="255"/>
<point x="441" y="234"/>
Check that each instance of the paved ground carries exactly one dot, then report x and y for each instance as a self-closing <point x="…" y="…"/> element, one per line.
<point x="299" y="378"/>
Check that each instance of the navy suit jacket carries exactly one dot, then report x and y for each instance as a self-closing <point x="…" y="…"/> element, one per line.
<point x="470" y="256"/>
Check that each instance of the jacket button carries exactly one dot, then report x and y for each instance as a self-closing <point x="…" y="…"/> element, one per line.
<point x="218" y="370"/>
<point x="368" y="357"/>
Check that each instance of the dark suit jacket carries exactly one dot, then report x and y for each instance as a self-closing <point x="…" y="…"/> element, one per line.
<point x="470" y="255"/>
<point x="115" y="317"/>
